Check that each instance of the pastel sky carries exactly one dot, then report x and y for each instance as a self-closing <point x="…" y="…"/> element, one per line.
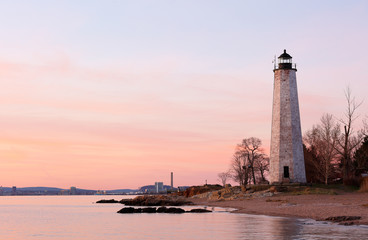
<point x="118" y="94"/>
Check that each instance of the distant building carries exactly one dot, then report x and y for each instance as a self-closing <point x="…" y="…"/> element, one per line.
<point x="14" y="190"/>
<point x="64" y="192"/>
<point x="73" y="190"/>
<point x="100" y="192"/>
<point x="159" y="186"/>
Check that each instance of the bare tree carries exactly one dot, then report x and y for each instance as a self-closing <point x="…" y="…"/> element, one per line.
<point x="349" y="139"/>
<point x="238" y="170"/>
<point x="262" y="165"/>
<point x="250" y="149"/>
<point x="365" y="127"/>
<point x="322" y="142"/>
<point x="223" y="177"/>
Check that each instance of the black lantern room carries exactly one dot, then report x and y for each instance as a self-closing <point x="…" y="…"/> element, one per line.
<point x="285" y="62"/>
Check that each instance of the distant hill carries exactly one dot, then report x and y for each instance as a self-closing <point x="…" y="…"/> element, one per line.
<point x="40" y="189"/>
<point x="121" y="191"/>
<point x="78" y="191"/>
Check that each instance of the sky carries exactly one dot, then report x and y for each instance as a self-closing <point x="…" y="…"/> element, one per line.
<point x="118" y="94"/>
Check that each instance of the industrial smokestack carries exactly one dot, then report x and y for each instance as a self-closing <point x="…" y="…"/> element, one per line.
<point x="172" y="180"/>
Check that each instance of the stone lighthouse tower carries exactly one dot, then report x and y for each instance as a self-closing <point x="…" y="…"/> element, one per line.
<point x="286" y="155"/>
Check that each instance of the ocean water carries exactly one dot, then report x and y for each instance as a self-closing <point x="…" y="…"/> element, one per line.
<point x="79" y="217"/>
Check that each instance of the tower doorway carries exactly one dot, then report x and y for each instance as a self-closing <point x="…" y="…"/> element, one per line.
<point x="286" y="172"/>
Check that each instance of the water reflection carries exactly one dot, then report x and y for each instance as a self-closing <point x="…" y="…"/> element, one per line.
<point x="284" y="228"/>
<point x="264" y="227"/>
<point x="78" y="218"/>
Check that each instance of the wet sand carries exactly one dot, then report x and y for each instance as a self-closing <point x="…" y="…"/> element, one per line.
<point x="314" y="206"/>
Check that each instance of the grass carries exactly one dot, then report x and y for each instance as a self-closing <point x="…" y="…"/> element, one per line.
<point x="260" y="187"/>
<point x="314" y="190"/>
<point x="337" y="187"/>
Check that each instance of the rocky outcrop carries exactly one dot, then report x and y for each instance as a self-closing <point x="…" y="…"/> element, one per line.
<point x="156" y="200"/>
<point x="195" y="190"/>
<point x="107" y="201"/>
<point x="170" y="210"/>
<point x="129" y="210"/>
<point x="160" y="210"/>
<point x="232" y="193"/>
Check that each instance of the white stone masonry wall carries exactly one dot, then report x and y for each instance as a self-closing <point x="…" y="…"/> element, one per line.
<point x="286" y="137"/>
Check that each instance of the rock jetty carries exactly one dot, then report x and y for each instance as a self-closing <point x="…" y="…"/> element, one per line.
<point x="107" y="201"/>
<point x="156" y="200"/>
<point x="172" y="210"/>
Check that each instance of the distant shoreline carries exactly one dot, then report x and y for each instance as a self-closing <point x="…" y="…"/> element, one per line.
<point x="313" y="206"/>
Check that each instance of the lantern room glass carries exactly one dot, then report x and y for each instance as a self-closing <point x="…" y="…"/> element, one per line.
<point x="284" y="60"/>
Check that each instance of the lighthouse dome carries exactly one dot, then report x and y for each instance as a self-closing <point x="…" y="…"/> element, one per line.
<point x="285" y="55"/>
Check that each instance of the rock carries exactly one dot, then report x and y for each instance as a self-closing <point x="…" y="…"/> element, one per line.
<point x="347" y="223"/>
<point x="171" y="210"/>
<point x="250" y="191"/>
<point x="174" y="210"/>
<point x="195" y="190"/>
<point x="126" y="210"/>
<point x="161" y="209"/>
<point x="107" y="201"/>
<point x="199" y="210"/>
<point x="157" y="200"/>
<point x="272" y="189"/>
<point x="149" y="210"/>
<point x="343" y="218"/>
<point x="215" y="195"/>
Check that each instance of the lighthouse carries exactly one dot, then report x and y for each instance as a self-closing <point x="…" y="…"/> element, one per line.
<point x="286" y="154"/>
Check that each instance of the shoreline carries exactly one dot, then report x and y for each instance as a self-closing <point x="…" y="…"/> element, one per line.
<point x="312" y="206"/>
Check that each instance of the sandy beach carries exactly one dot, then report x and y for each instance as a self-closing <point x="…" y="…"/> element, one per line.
<point x="314" y="206"/>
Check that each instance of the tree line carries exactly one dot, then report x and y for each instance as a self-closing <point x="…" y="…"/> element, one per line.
<point x="334" y="151"/>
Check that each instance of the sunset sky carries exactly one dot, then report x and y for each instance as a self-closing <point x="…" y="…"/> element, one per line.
<point x="118" y="94"/>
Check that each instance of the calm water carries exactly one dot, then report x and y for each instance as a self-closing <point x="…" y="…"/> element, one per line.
<point x="78" y="217"/>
